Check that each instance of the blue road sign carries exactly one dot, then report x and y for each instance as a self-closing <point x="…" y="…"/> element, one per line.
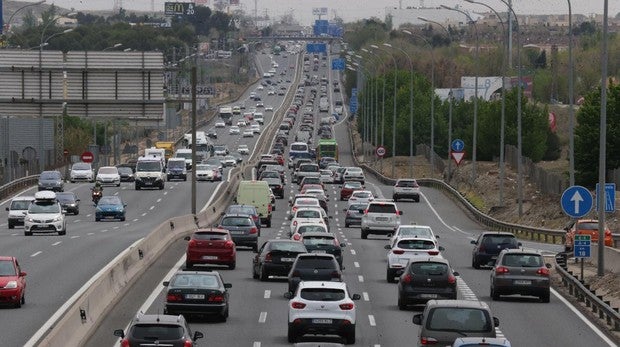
<point x="338" y="64"/>
<point x="610" y="197"/>
<point x="581" y="246"/>
<point x="576" y="201"/>
<point x="458" y="145"/>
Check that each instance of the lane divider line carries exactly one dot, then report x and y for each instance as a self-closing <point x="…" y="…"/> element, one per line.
<point x="263" y="317"/>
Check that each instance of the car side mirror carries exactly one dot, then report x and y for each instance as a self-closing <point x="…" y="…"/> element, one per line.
<point x="343" y="210"/>
<point x="166" y="283"/>
<point x="548" y="266"/>
<point x="227" y="285"/>
<point x="387" y="247"/>
<point x="187" y="238"/>
<point x="198" y="335"/>
<point x="124" y="205"/>
<point x="355" y="297"/>
<point x="519" y="244"/>
<point x="22" y="274"/>
<point x="400" y="213"/>
<point x="455" y="273"/>
<point x="223" y="213"/>
<point x="120" y="333"/>
<point x="290" y="217"/>
<point x="330" y="217"/>
<point x="473" y="242"/>
<point x="437" y="236"/>
<point x="288" y="295"/>
<point x="441" y="248"/>
<point x="417" y="319"/>
<point x="7" y="208"/>
<point x="495" y="321"/>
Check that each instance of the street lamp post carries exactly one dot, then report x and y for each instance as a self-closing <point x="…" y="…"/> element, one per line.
<point x="8" y="22"/>
<point x="477" y="58"/>
<point x="377" y="109"/>
<point x="571" y="111"/>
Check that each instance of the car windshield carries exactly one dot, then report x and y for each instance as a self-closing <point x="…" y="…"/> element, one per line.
<point x="237" y="221"/>
<point x="108" y="170"/>
<point x="156" y="332"/>
<point x="407" y="184"/>
<point x="176" y="164"/>
<point x="50" y="175"/>
<point x="322" y="294"/>
<point x="288" y="247"/>
<point x="414" y="231"/>
<point x="308" y="214"/>
<point x="203" y="167"/>
<point x="20" y="205"/>
<point x="428" y="269"/>
<point x="110" y="200"/>
<point x="80" y="166"/>
<point x="184" y="155"/>
<point x="7" y="268"/>
<point x="357" y="207"/>
<point x="210" y="235"/>
<point x="415" y="244"/>
<point x="144" y="166"/>
<point x="194" y="280"/>
<point x="522" y="260"/>
<point x="459" y="319"/>
<point x="318" y="241"/>
<point x="44" y="207"/>
<point x="65" y="197"/>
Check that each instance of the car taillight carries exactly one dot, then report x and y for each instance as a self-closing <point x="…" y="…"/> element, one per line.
<point x="216" y="298"/>
<point x="433" y="252"/>
<point x="398" y="251"/>
<point x="407" y="278"/>
<point x="298" y="305"/>
<point x="294" y="208"/>
<point x="188" y="343"/>
<point x="174" y="297"/>
<point x="347" y="306"/>
<point x="543" y="271"/>
<point x="366" y="211"/>
<point x="268" y="258"/>
<point x="125" y="343"/>
<point x="296" y="237"/>
<point x="269" y="208"/>
<point x="229" y="244"/>
<point x="255" y="218"/>
<point x="192" y="243"/>
<point x="427" y="341"/>
<point x="481" y="249"/>
<point x="336" y="243"/>
<point x="336" y="274"/>
<point x="294" y="223"/>
<point x="451" y="279"/>
<point x="501" y="270"/>
<point x="254" y="230"/>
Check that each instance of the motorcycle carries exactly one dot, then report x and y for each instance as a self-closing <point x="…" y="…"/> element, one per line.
<point x="96" y="195"/>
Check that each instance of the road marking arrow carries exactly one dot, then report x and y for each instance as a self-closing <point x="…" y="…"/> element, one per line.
<point x="576" y="199"/>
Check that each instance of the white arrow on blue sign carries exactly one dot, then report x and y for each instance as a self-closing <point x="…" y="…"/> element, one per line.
<point x="458" y="145"/>
<point x="576" y="201"/>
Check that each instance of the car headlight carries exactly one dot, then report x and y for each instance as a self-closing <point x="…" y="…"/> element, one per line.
<point x="58" y="219"/>
<point x="11" y="285"/>
<point x="98" y="209"/>
<point x="29" y="219"/>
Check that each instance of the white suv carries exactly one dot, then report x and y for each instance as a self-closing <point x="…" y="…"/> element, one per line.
<point x="406" y="188"/>
<point x="321" y="308"/>
<point x="45" y="215"/>
<point x="380" y="217"/>
<point x="353" y="173"/>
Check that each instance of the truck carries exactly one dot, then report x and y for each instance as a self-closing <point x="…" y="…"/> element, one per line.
<point x="226" y="114"/>
<point x="156" y="153"/>
<point x="167" y="146"/>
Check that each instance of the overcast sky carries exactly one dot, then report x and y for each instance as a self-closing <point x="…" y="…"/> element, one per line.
<point x="351" y="10"/>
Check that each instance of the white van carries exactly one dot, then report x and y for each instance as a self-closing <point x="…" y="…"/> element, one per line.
<point x="297" y="148"/>
<point x="186" y="154"/>
<point x="257" y="194"/>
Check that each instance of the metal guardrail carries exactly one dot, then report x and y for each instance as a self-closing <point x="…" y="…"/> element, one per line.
<point x="582" y="293"/>
<point x="17" y="186"/>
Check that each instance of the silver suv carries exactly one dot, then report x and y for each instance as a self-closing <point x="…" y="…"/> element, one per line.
<point x="158" y="330"/>
<point x="380" y="217"/>
<point x="406" y="188"/>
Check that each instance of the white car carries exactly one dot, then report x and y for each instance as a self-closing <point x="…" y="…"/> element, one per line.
<point x="82" y="172"/>
<point x="405" y="249"/>
<point x="243" y="149"/>
<point x="268" y="108"/>
<point x="234" y="130"/>
<point x="327" y="176"/>
<point x="248" y="133"/>
<point x="241" y="123"/>
<point x="206" y="172"/>
<point x="109" y="175"/>
<point x="308" y="214"/>
<point x="260" y="104"/>
<point x="17" y="210"/>
<point x="258" y="117"/>
<point x="303" y="227"/>
<point x="220" y="124"/>
<point x="413" y="230"/>
<point x="229" y="160"/>
<point x="360" y="197"/>
<point x="322" y="308"/>
<point x="45" y="215"/>
<point x="260" y="87"/>
<point x="354" y="173"/>
<point x="271" y="92"/>
<point x="255" y="128"/>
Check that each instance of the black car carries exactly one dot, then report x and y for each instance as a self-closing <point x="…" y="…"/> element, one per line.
<point x="488" y="246"/>
<point x="313" y="267"/>
<point x="165" y="329"/>
<point x="275" y="258"/>
<point x="424" y="279"/>
<point x="249" y="210"/>
<point x="69" y="202"/>
<point x="242" y="229"/>
<point x="51" y="180"/>
<point x="274" y="181"/>
<point x="212" y="133"/>
<point x="197" y="292"/>
<point x="126" y="173"/>
<point x="320" y="242"/>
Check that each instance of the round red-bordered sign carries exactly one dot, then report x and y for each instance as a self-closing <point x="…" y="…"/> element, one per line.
<point x="380" y="151"/>
<point x="87" y="157"/>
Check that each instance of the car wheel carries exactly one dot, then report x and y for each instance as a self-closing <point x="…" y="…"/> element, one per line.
<point x="27" y="233"/>
<point x="346" y="225"/>
<point x="77" y="212"/>
<point x="11" y="226"/>
<point x="417" y="199"/>
<point x="395" y="198"/>
<point x="474" y="263"/>
<point x="401" y="304"/>
<point x="269" y="223"/>
<point x="545" y="297"/>
<point x="18" y="303"/>
<point x="254" y="273"/>
<point x="390" y="275"/>
<point x="161" y="186"/>
<point x="122" y="218"/>
<point x="364" y="234"/>
<point x="494" y="294"/>
<point x="97" y="219"/>
<point x="349" y="338"/>
<point x="24" y="299"/>
<point x="62" y="232"/>
<point x="119" y="184"/>
<point x="188" y="265"/>
<point x="224" y="315"/>
<point x="263" y="275"/>
<point x="232" y="265"/>
<point x="292" y="337"/>
<point x="137" y="187"/>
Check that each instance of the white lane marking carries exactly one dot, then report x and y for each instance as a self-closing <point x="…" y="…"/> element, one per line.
<point x="144" y="214"/>
<point x="35" y="254"/>
<point x="353" y="252"/>
<point x="90" y="234"/>
<point x="134" y="220"/>
<point x="88" y="215"/>
<point x="114" y="228"/>
<point x="14" y="234"/>
<point x="115" y="193"/>
<point x="75" y="236"/>
<point x="583" y="318"/>
<point x="103" y="231"/>
<point x="152" y="207"/>
<point x="256" y="344"/>
<point x="371" y="320"/>
<point x="365" y="296"/>
<point x="159" y="200"/>
<point x="278" y="237"/>
<point x="267" y="294"/>
<point x="56" y="243"/>
<point x="77" y="221"/>
<point x="165" y="193"/>
<point x="263" y="317"/>
<point x="360" y="278"/>
<point x="346" y="240"/>
<point x="356" y="264"/>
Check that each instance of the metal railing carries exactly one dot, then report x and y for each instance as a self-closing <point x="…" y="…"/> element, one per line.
<point x="17" y="186"/>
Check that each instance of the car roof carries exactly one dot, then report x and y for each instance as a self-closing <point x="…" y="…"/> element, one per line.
<point x="430" y="259"/>
<point x="23" y="198"/>
<point x="318" y="233"/>
<point x="323" y="284"/>
<point x="159" y="318"/>
<point x="502" y="233"/>
<point x="458" y="303"/>
<point x="316" y="255"/>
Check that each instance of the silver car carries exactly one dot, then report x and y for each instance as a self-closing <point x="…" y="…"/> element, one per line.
<point x="381" y="217"/>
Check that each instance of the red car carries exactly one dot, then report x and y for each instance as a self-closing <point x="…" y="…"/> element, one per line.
<point x="211" y="246"/>
<point x="348" y="187"/>
<point x="12" y="282"/>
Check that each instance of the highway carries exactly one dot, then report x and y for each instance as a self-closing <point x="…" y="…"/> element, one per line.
<point x="58" y="266"/>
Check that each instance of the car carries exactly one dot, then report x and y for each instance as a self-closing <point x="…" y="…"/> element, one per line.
<point x="320" y="195"/>
<point x="274" y="181"/>
<point x="81" y="172"/>
<point x="207" y="172"/>
<point x="108" y="175"/>
<point x="380" y="217"/>
<point x="164" y="329"/>
<point x="220" y="124"/>
<point x="242" y="228"/>
<point x="325" y="308"/>
<point x="313" y="267"/>
<point x="308" y="214"/>
<point x="210" y="246"/>
<point x="12" y="282"/>
<point x="408" y="249"/>
<point x="326" y="176"/>
<point x="268" y="108"/>
<point x="410" y="230"/>
<point x="260" y="104"/>
<point x="424" y="279"/>
<point x="443" y="321"/>
<point x="45" y="215"/>
<point x="348" y="187"/>
<point x="361" y="197"/>
<point x="406" y="188"/>
<point x="51" y="180"/>
<point x="339" y="174"/>
<point x="126" y="173"/>
<point x="249" y="210"/>
<point x="481" y="342"/>
<point x="255" y="128"/>
<point x="353" y="214"/>
<point x="488" y="245"/>
<point x="322" y="242"/>
<point x="197" y="292"/>
<point x="17" y="210"/>
<point x="238" y="157"/>
<point x="220" y="150"/>
<point x="243" y="149"/>
<point x="585" y="227"/>
<point x="176" y="168"/>
<point x="229" y="161"/>
<point x="324" y="162"/>
<point x="212" y="132"/>
<point x="234" y="130"/>
<point x="275" y="258"/>
<point x="248" y="133"/>
<point x="518" y="271"/>
<point x="271" y="92"/>
<point x="69" y="202"/>
<point x="308" y="226"/>
<point x="353" y="173"/>
<point x="241" y="123"/>
<point x="110" y="207"/>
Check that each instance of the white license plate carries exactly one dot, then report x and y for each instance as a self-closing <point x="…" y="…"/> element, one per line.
<point x="236" y="232"/>
<point x="428" y="296"/>
<point x="321" y="321"/>
<point x="195" y="296"/>
<point x="522" y="282"/>
<point x="209" y="257"/>
<point x="289" y="260"/>
<point x="381" y="219"/>
<point x="318" y="251"/>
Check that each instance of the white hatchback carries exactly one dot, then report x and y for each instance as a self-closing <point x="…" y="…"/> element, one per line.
<point x="325" y="308"/>
<point x="413" y="230"/>
<point x="404" y="250"/>
<point x="360" y="197"/>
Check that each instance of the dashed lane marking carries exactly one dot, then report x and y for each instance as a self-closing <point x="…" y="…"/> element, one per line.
<point x="144" y="214"/>
<point x="267" y="294"/>
<point x="371" y="320"/>
<point x="356" y="264"/>
<point x="35" y="254"/>
<point x="263" y="317"/>
<point x="56" y="243"/>
<point x="360" y="278"/>
<point x="353" y="252"/>
<point x="75" y="236"/>
<point x="159" y="200"/>
<point x="152" y="207"/>
<point x="365" y="296"/>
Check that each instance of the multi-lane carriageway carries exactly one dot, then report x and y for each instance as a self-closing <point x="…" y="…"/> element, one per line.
<point x="58" y="266"/>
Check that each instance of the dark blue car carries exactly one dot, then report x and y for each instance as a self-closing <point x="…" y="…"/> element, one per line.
<point x="110" y="207"/>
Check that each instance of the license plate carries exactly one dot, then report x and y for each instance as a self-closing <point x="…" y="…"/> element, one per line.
<point x="428" y="296"/>
<point x="522" y="282"/>
<point x="209" y="257"/>
<point x="318" y="251"/>
<point x="322" y="321"/>
<point x="236" y="232"/>
<point x="289" y="260"/>
<point x="148" y="183"/>
<point x="381" y="219"/>
<point x="195" y="296"/>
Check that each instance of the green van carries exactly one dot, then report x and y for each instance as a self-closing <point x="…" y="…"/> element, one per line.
<point x="256" y="193"/>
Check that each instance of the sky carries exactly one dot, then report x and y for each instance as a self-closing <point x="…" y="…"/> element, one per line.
<point x="352" y="10"/>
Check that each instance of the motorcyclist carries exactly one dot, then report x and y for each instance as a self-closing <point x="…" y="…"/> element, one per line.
<point x="98" y="187"/>
<point x="97" y="192"/>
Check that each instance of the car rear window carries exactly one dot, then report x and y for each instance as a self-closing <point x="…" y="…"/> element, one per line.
<point x="308" y="214"/>
<point x="288" y="247"/>
<point x="414" y="231"/>
<point x="241" y="210"/>
<point x="210" y="235"/>
<point x="459" y="319"/>
<point x="315" y="263"/>
<point x="500" y="240"/>
<point x="311" y="228"/>
<point x="428" y="268"/>
<point x="322" y="294"/>
<point x="522" y="260"/>
<point x="309" y="168"/>
<point x="156" y="332"/>
<point x="409" y="184"/>
<point x="416" y="244"/>
<point x="237" y="221"/>
<point x="194" y="280"/>
<point x="318" y="240"/>
<point x="381" y="208"/>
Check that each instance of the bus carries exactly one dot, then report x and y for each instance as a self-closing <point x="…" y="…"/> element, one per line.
<point x="226" y="114"/>
<point x="327" y="148"/>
